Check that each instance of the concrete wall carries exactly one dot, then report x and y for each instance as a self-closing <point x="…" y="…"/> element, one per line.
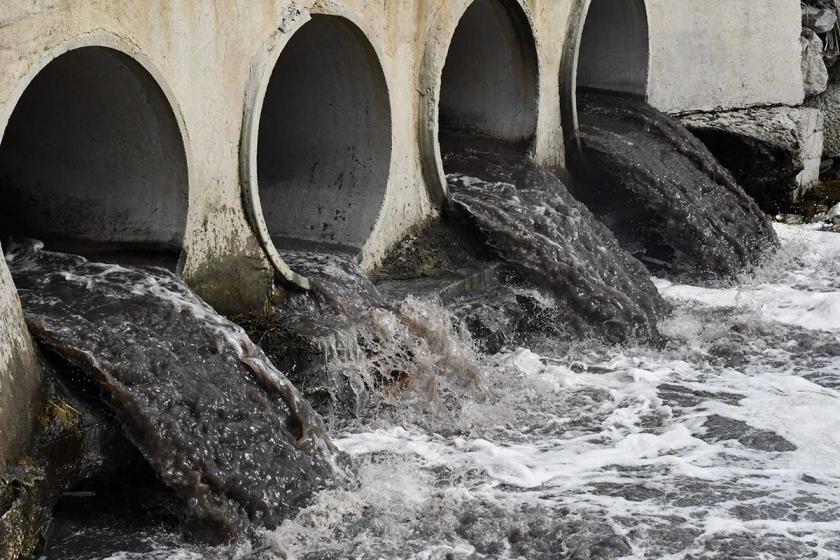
<point x="20" y="374"/>
<point x="158" y="114"/>
<point x="212" y="62"/>
<point x="724" y="54"/>
<point x="171" y="148"/>
<point x="683" y="55"/>
<point x="93" y="155"/>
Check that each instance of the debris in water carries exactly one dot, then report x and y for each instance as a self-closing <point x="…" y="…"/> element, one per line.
<point x="208" y="411"/>
<point x="663" y="193"/>
<point x="532" y="221"/>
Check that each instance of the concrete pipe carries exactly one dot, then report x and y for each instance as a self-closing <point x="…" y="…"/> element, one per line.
<point x="92" y="161"/>
<point x="324" y="139"/>
<point x="608" y="48"/>
<point x="486" y="94"/>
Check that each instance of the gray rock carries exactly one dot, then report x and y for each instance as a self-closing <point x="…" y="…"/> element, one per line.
<point x="772" y="152"/>
<point x="814" y="71"/>
<point x="829" y="103"/>
<point x="820" y="20"/>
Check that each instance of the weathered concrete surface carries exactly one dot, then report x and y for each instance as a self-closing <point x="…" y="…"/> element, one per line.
<point x="213" y="60"/>
<point x="724" y="54"/>
<point x="20" y="374"/>
<point x="683" y="55"/>
<point x="772" y="152"/>
<point x="208" y="58"/>
<point x="615" y="47"/>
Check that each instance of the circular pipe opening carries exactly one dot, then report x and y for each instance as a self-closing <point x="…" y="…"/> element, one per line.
<point x="488" y="93"/>
<point x="92" y="161"/>
<point x="324" y="139"/>
<point x="607" y="48"/>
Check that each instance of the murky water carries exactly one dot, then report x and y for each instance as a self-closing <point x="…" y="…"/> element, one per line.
<point x="218" y="423"/>
<point x="723" y="444"/>
<point x="663" y="193"/>
<point x="534" y="224"/>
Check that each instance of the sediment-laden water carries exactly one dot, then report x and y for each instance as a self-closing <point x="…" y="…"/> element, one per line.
<point x="663" y="194"/>
<point x="218" y="423"/>
<point x="535" y="225"/>
<point x="722" y="444"/>
<point x="349" y="349"/>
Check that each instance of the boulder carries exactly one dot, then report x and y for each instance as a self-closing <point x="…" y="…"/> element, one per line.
<point x="814" y="71"/>
<point x="829" y="104"/>
<point x="774" y="153"/>
<point x="820" y="20"/>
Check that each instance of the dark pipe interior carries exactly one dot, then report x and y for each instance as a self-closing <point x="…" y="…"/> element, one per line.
<point x="488" y="92"/>
<point x="614" y="47"/>
<point x="324" y="147"/>
<point x="92" y="161"/>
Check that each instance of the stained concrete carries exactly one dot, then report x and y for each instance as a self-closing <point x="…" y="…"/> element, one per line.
<point x="614" y="47"/>
<point x="773" y="152"/>
<point x="681" y="55"/>
<point x="724" y="54"/>
<point x="195" y="75"/>
<point x="489" y="85"/>
<point x="92" y="156"/>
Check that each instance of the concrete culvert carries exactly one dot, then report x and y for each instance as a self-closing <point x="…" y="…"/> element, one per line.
<point x="92" y="161"/>
<point x="324" y="144"/>
<point x="607" y="49"/>
<point x="489" y="82"/>
<point x="614" y="47"/>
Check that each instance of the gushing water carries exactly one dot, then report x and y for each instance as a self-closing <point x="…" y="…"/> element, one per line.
<point x="535" y="225"/>
<point x="663" y="194"/>
<point x="717" y="441"/>
<point x="361" y="344"/>
<point x="218" y="423"/>
<point x="722" y="444"/>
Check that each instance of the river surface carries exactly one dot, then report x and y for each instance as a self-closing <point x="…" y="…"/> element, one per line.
<point x="723" y="444"/>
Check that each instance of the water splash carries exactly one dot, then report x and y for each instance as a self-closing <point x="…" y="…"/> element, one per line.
<point x="368" y="354"/>
<point x="664" y="194"/>
<point x="722" y="444"/>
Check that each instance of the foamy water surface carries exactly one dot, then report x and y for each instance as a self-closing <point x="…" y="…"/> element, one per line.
<point x="724" y="444"/>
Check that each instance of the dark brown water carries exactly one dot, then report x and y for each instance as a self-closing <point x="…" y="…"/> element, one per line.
<point x="217" y="422"/>
<point x="534" y="224"/>
<point x="663" y="194"/>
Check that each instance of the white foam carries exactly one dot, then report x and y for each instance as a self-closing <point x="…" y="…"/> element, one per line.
<point x="799" y="287"/>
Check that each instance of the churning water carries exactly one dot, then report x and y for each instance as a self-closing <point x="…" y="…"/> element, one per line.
<point x="719" y="440"/>
<point x="663" y="193"/>
<point x="534" y="224"/>
<point x="723" y="444"/>
<point x="218" y="423"/>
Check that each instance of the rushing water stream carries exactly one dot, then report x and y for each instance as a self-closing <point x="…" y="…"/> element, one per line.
<point x="666" y="197"/>
<point x="723" y="444"/>
<point x="534" y="224"/>
<point x="218" y="423"/>
<point x="654" y="419"/>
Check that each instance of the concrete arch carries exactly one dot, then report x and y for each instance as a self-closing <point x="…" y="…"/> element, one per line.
<point x="479" y="82"/>
<point x="317" y="139"/>
<point x="607" y="47"/>
<point x="93" y="156"/>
